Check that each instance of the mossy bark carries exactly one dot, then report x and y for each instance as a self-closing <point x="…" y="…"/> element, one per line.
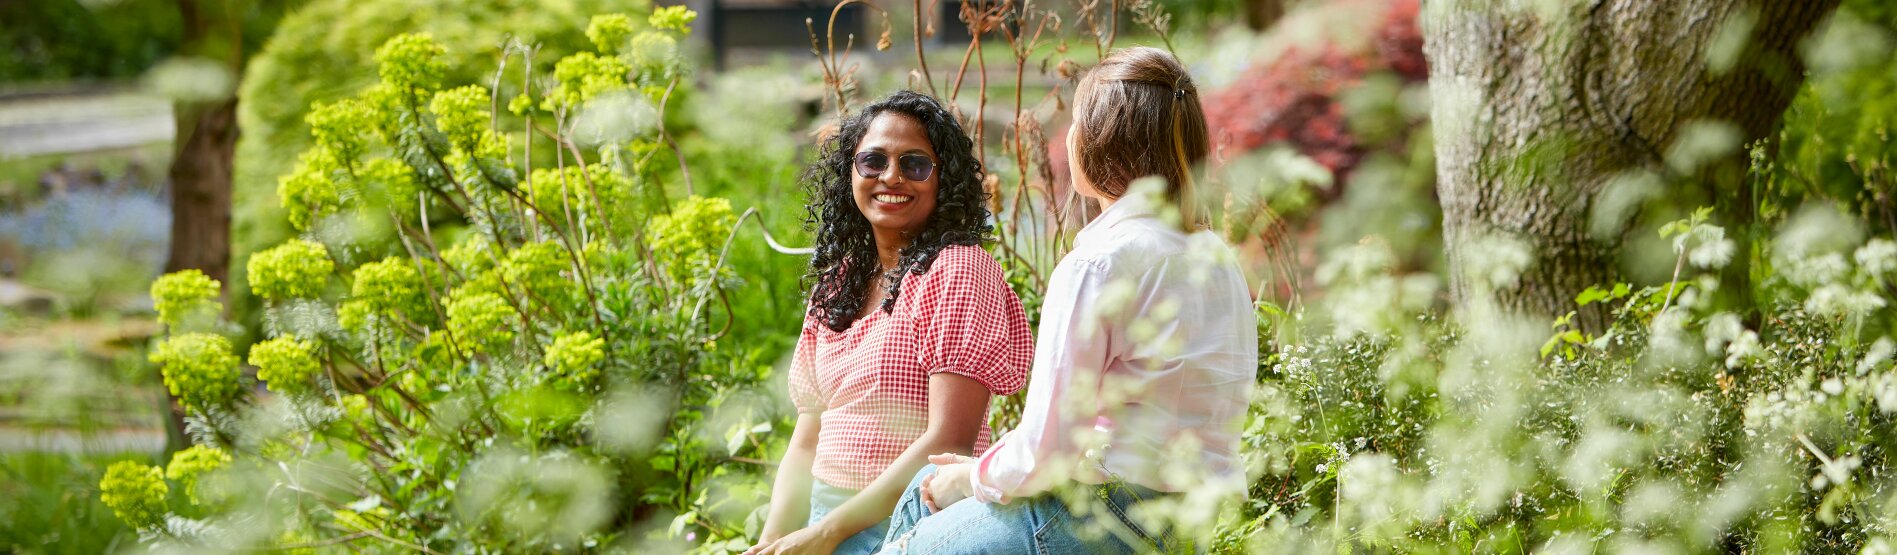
<point x="1538" y="109"/>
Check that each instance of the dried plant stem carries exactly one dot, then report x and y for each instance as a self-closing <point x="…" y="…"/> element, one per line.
<point x="684" y="170"/>
<point x="923" y="61"/>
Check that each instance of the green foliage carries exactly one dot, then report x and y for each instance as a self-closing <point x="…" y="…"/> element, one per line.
<point x="285" y="363"/>
<point x="309" y="193"/>
<point x="198" y="368"/>
<point x="184" y="296"/>
<point x="689" y="238"/>
<point x="135" y="492"/>
<point x="1836" y="140"/>
<point x="673" y="18"/>
<point x="611" y="31"/>
<point x="69" y="39"/>
<point x="463" y="116"/>
<point x="295" y="269"/>
<point x="513" y="392"/>
<point x="323" y="54"/>
<point x="190" y="467"/>
<point x="411" y="61"/>
<point x="575" y="357"/>
<point x="482" y="321"/>
<point x="390" y="286"/>
<point x="584" y="76"/>
<point x="51" y="508"/>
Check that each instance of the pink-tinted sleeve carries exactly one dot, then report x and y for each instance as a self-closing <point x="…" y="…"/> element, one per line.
<point x="803" y="374"/>
<point x="970" y="323"/>
<point x="1074" y="343"/>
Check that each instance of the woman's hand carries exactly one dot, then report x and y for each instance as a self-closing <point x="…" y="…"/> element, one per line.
<point x="949" y="484"/>
<point x="812" y="540"/>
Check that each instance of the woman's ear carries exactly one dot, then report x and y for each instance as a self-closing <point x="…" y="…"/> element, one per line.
<point x="1076" y="170"/>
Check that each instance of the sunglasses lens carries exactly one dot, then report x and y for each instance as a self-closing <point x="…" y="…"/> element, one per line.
<point x="871" y="164"/>
<point x="916" y="167"/>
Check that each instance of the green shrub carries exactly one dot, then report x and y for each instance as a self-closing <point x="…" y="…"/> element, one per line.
<point x="549" y="381"/>
<point x="296" y="90"/>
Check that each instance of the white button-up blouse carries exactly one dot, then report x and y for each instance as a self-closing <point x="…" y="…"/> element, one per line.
<point x="1144" y="365"/>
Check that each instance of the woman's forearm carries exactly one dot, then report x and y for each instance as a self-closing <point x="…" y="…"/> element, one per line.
<point x="878" y="500"/>
<point x="790" y="494"/>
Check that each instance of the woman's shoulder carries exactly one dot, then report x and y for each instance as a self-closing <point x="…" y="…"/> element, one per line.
<point x="962" y="268"/>
<point x="965" y="259"/>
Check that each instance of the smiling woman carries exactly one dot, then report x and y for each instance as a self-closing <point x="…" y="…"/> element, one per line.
<point x="910" y="332"/>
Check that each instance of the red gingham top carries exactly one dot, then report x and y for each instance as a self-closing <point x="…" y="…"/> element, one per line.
<point x="869" y="384"/>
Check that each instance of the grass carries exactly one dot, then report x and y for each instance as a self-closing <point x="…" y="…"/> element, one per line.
<point x="52" y="504"/>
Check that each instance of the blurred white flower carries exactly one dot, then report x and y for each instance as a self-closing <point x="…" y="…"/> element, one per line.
<point x="1496" y="260"/>
<point x="1722" y="328"/>
<point x="615" y="117"/>
<point x="1620" y="200"/>
<point x="1711" y="248"/>
<point x="1701" y="142"/>
<point x="1818" y="271"/>
<point x="192" y="79"/>
<point x="631" y="420"/>
<point x="1877" y="258"/>
<point x="1875" y="356"/>
<point x="1817" y="229"/>
<point x="553" y="496"/>
<point x="1839" y="300"/>
<point x="1744" y="348"/>
<point x="1845" y="43"/>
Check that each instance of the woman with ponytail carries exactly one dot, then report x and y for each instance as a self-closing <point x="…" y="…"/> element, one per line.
<point x="1145" y="360"/>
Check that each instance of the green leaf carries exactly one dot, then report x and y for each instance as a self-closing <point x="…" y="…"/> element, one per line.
<point x="1591" y="295"/>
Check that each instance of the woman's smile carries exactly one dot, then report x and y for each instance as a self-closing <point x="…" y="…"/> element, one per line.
<point x="892" y="201"/>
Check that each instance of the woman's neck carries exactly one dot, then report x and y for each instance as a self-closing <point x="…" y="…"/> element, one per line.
<point x="889" y="249"/>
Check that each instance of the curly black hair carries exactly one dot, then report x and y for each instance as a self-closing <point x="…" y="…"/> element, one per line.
<point x="846" y="258"/>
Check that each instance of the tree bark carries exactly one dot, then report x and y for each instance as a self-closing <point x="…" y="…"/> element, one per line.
<point x="1535" y="113"/>
<point x="201" y="191"/>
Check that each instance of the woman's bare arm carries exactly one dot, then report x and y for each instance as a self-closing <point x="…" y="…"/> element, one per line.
<point x="790" y="495"/>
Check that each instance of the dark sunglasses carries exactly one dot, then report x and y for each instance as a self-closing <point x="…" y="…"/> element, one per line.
<point x="912" y="167"/>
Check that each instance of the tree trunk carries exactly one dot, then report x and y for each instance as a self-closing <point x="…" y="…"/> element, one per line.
<point x="1261" y="14"/>
<point x="201" y="191"/>
<point x="1535" y="113"/>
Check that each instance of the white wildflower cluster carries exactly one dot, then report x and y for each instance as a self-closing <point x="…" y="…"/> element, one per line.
<point x="1364" y="294"/>
<point x="1495" y="261"/>
<point x="1378" y="498"/>
<point x="1727" y="336"/>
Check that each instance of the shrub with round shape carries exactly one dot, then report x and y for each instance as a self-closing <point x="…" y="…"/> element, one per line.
<point x="293" y="270"/>
<point x="285" y="363"/>
<point x="198" y="368"/>
<point x="136" y="493"/>
<point x="183" y="295"/>
<point x="189" y="466"/>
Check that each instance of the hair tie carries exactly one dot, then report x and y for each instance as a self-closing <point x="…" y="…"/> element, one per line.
<point x="1178" y="94"/>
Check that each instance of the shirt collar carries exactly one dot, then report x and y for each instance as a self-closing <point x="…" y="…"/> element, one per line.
<point x="1142" y="200"/>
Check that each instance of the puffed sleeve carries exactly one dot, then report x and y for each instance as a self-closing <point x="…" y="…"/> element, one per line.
<point x="803" y="374"/>
<point x="970" y="323"/>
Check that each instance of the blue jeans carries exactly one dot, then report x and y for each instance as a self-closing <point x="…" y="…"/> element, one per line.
<point x="825" y="498"/>
<point x="1043" y="524"/>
